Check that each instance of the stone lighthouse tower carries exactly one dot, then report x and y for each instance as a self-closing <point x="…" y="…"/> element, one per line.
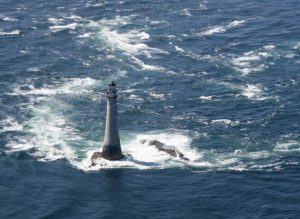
<point x="111" y="145"/>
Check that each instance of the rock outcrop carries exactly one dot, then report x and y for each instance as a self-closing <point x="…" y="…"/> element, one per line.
<point x="171" y="150"/>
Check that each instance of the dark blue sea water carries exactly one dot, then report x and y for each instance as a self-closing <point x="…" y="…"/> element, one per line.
<point x="219" y="80"/>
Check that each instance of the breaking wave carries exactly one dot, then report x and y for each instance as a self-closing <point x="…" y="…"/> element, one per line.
<point x="254" y="92"/>
<point x="6" y="33"/>
<point x="252" y="61"/>
<point x="9" y="19"/>
<point x="221" y="29"/>
<point x="56" y="28"/>
<point x="10" y="124"/>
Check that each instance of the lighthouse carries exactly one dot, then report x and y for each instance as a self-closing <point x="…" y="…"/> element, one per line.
<point x="111" y="144"/>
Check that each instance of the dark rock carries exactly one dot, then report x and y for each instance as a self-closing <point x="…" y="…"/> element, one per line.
<point x="171" y="150"/>
<point x="96" y="155"/>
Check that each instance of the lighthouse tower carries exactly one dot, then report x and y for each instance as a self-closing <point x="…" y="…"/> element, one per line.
<point x="111" y="145"/>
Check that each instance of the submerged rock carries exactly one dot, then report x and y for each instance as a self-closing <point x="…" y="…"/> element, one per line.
<point x="171" y="150"/>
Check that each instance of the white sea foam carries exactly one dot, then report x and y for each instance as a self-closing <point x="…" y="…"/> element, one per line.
<point x="132" y="43"/>
<point x="85" y="35"/>
<point x="74" y="17"/>
<point x="9" y="19"/>
<point x="260" y="59"/>
<point x="238" y="160"/>
<point x="185" y="12"/>
<point x="136" y="98"/>
<point x="290" y="146"/>
<point x="144" y="66"/>
<point x="92" y="4"/>
<point x="193" y="55"/>
<point x="5" y="33"/>
<point x="158" y="22"/>
<point x="255" y="160"/>
<point x="24" y="51"/>
<point x="56" y="20"/>
<point x="117" y="21"/>
<point x="34" y="69"/>
<point x="221" y="28"/>
<point x="178" y="49"/>
<point x="127" y="91"/>
<point x="203" y="5"/>
<point x="270" y="46"/>
<point x="290" y="55"/>
<point x="251" y="61"/>
<point x="157" y="95"/>
<point x="254" y="92"/>
<point x="49" y="133"/>
<point x="225" y="121"/>
<point x="208" y="98"/>
<point x="56" y="28"/>
<point x="76" y="86"/>
<point x="236" y="23"/>
<point x="213" y="30"/>
<point x="9" y="125"/>
<point x="296" y="45"/>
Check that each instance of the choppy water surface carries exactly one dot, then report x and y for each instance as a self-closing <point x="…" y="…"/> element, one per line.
<point x="219" y="80"/>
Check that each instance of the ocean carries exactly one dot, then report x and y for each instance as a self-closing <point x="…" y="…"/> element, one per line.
<point x="218" y="80"/>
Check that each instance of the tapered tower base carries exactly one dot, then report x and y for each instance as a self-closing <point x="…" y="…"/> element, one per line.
<point x="110" y="152"/>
